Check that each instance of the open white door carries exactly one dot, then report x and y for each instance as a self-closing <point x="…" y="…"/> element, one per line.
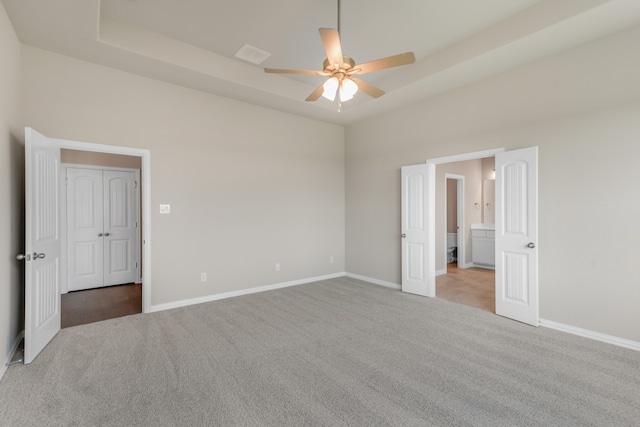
<point x="418" y="274"/>
<point x="516" y="210"/>
<point x="42" y="243"/>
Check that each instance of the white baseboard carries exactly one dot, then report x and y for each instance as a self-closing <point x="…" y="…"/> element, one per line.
<point x="12" y="352"/>
<point x="486" y="267"/>
<point x="374" y="281"/>
<point x="609" y="339"/>
<point x="441" y="272"/>
<point x="224" y="295"/>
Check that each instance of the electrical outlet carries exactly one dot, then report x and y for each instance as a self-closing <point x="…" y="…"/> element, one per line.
<point x="203" y="277"/>
<point x="278" y="267"/>
<point x="331" y="259"/>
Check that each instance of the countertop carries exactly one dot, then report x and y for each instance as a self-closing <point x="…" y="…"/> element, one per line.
<point x="483" y="226"/>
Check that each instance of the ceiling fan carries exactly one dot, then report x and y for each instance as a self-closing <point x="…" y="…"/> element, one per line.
<point x="340" y="69"/>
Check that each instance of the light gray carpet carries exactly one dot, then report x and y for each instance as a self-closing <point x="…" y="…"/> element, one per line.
<point x="333" y="353"/>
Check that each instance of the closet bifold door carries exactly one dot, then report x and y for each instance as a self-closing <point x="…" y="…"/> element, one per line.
<point x="101" y="228"/>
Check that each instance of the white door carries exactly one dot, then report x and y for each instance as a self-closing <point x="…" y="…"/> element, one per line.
<point x="120" y="228"/>
<point x="417" y="272"/>
<point x="516" y="237"/>
<point x="85" y="243"/>
<point x="102" y="228"/>
<point x="42" y="243"/>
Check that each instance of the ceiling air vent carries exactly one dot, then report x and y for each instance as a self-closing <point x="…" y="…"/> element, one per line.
<point x="252" y="54"/>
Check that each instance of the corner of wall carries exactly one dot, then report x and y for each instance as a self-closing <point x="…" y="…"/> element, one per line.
<point x="11" y="186"/>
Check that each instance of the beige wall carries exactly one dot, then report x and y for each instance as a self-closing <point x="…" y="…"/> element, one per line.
<point x="452" y="206"/>
<point x="581" y="107"/>
<point x="11" y="187"/>
<point x="249" y="187"/>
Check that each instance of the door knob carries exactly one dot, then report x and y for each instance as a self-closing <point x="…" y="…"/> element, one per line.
<point x="99" y="234"/>
<point x="106" y="234"/>
<point x="23" y="257"/>
<point x="36" y="255"/>
<point x="403" y="235"/>
<point x="531" y="245"/>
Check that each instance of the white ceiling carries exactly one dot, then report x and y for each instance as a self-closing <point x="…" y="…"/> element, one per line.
<point x="193" y="42"/>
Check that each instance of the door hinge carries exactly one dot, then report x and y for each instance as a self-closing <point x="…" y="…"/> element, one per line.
<point x="135" y="184"/>
<point x="136" y="264"/>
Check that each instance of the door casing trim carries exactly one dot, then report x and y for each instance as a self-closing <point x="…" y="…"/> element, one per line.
<point x="145" y="202"/>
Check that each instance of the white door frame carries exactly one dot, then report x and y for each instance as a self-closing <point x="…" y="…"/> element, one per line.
<point x="64" y="282"/>
<point x="460" y="185"/>
<point x="144" y="205"/>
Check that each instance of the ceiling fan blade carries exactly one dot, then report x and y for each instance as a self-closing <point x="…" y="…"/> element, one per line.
<point x="308" y="72"/>
<point x="367" y="88"/>
<point x="316" y="93"/>
<point x="388" y="62"/>
<point x="331" y="41"/>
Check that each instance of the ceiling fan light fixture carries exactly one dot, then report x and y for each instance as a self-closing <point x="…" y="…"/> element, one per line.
<point x="339" y="68"/>
<point x="348" y="89"/>
<point x="330" y="88"/>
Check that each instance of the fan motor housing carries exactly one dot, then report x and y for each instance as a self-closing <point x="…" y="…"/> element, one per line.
<point x="348" y="63"/>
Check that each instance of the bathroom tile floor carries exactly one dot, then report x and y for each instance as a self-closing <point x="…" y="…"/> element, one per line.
<point x="469" y="286"/>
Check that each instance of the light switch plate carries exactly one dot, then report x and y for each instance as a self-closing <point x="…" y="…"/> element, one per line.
<point x="165" y="209"/>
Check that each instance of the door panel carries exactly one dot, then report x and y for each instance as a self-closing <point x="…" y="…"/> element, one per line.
<point x="517" y="235"/>
<point x="84" y="225"/>
<point x="42" y="243"/>
<point x="416" y="249"/>
<point x="120" y="221"/>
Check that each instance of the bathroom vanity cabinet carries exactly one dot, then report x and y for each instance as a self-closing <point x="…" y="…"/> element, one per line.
<point x="483" y="253"/>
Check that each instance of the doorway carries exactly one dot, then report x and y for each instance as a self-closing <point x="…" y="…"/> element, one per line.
<point x="97" y="156"/>
<point x="460" y="198"/>
<point x="459" y="280"/>
<point x="101" y="236"/>
<point x="514" y="237"/>
<point x="101" y="204"/>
